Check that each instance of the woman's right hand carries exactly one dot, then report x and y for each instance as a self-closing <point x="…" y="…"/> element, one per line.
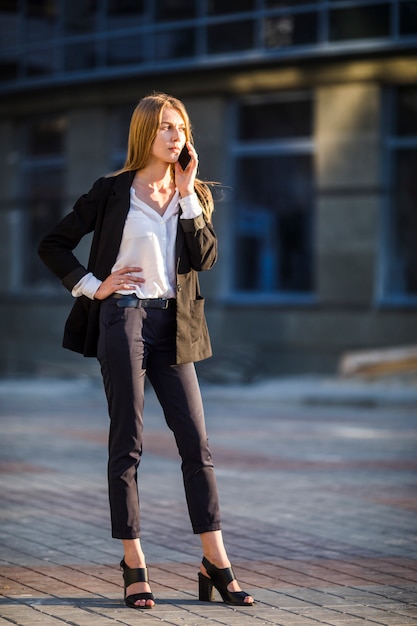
<point x="119" y="280"/>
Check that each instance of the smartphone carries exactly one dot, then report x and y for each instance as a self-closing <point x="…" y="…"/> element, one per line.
<point x="184" y="158"/>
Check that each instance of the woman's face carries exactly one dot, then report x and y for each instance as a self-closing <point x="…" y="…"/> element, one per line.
<point x="170" y="137"/>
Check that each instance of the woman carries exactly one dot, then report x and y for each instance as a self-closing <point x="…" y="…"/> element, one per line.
<point x="138" y="309"/>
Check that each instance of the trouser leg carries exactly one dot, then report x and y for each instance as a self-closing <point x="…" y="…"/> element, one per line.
<point x="121" y="354"/>
<point x="178" y="391"/>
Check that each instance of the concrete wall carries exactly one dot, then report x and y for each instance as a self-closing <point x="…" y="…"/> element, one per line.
<point x="348" y="137"/>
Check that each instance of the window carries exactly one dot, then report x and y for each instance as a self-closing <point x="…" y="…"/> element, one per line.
<point x="40" y="20"/>
<point x="125" y="50"/>
<point x="275" y="120"/>
<point x="219" y="7"/>
<point x="172" y="10"/>
<point x="41" y="62"/>
<point x="9" y="37"/>
<point x="274" y="196"/>
<point x="230" y="37"/>
<point x="175" y="44"/>
<point x="43" y="196"/>
<point x="79" y="56"/>
<point x="125" y="13"/>
<point x="120" y="123"/>
<point x="408" y="18"/>
<point x="78" y="17"/>
<point x="367" y="22"/>
<point x="400" y="275"/>
<point x="290" y="30"/>
<point x="125" y="7"/>
<point x="283" y="4"/>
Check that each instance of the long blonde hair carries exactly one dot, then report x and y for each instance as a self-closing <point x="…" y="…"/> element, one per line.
<point x="144" y="125"/>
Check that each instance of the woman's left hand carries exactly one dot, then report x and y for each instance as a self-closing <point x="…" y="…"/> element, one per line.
<point x="184" y="179"/>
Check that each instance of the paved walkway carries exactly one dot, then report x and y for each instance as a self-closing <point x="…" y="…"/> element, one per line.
<point x="318" y="487"/>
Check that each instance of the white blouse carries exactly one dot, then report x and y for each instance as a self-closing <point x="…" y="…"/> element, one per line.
<point x="148" y="241"/>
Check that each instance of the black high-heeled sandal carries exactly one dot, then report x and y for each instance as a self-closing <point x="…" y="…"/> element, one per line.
<point x="219" y="578"/>
<point x="138" y="575"/>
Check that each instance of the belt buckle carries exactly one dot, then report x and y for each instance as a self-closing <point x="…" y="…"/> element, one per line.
<point x="165" y="304"/>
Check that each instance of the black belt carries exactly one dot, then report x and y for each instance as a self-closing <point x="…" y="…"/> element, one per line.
<point x="133" y="301"/>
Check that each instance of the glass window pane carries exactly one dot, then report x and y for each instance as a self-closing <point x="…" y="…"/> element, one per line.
<point x="120" y="132"/>
<point x="360" y="22"/>
<point x="276" y="120"/>
<point x="78" y="17"/>
<point x="8" y="70"/>
<point x="283" y="4"/>
<point x="7" y="6"/>
<point x="406" y="111"/>
<point x="40" y="62"/>
<point x="290" y="30"/>
<point x="408" y="18"/>
<point x="167" y="10"/>
<point x="122" y="117"/>
<point x="125" y="50"/>
<point x="231" y="37"/>
<point x="41" y="8"/>
<point x="9" y="29"/>
<point x="40" y="20"/>
<point x="43" y="174"/>
<point x="274" y="246"/>
<point x="125" y="7"/>
<point x="124" y="13"/>
<point x="174" y="44"/>
<point x="45" y="200"/>
<point x="220" y="7"/>
<point x="403" y="267"/>
<point x="79" y="56"/>
<point x="46" y="137"/>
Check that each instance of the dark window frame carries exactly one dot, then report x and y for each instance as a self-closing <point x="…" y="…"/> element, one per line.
<point x="30" y="274"/>
<point x="388" y="295"/>
<point x="275" y="32"/>
<point x="240" y="149"/>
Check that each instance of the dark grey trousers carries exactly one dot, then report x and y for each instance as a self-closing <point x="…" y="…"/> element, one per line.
<point x="133" y="344"/>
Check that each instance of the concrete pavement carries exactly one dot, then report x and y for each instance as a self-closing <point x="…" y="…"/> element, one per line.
<point x="318" y="484"/>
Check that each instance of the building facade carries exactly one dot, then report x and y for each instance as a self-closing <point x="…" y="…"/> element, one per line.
<point x="305" y="112"/>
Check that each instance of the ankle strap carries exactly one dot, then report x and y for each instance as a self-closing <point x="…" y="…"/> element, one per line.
<point x="134" y="575"/>
<point x="222" y="576"/>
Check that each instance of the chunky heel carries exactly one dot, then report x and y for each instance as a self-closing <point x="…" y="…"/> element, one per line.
<point x="219" y="578"/>
<point x="205" y="588"/>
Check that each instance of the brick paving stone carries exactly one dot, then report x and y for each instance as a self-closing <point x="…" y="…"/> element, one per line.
<point x="318" y="505"/>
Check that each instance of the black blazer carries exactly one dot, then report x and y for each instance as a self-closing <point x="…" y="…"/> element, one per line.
<point x="103" y="210"/>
